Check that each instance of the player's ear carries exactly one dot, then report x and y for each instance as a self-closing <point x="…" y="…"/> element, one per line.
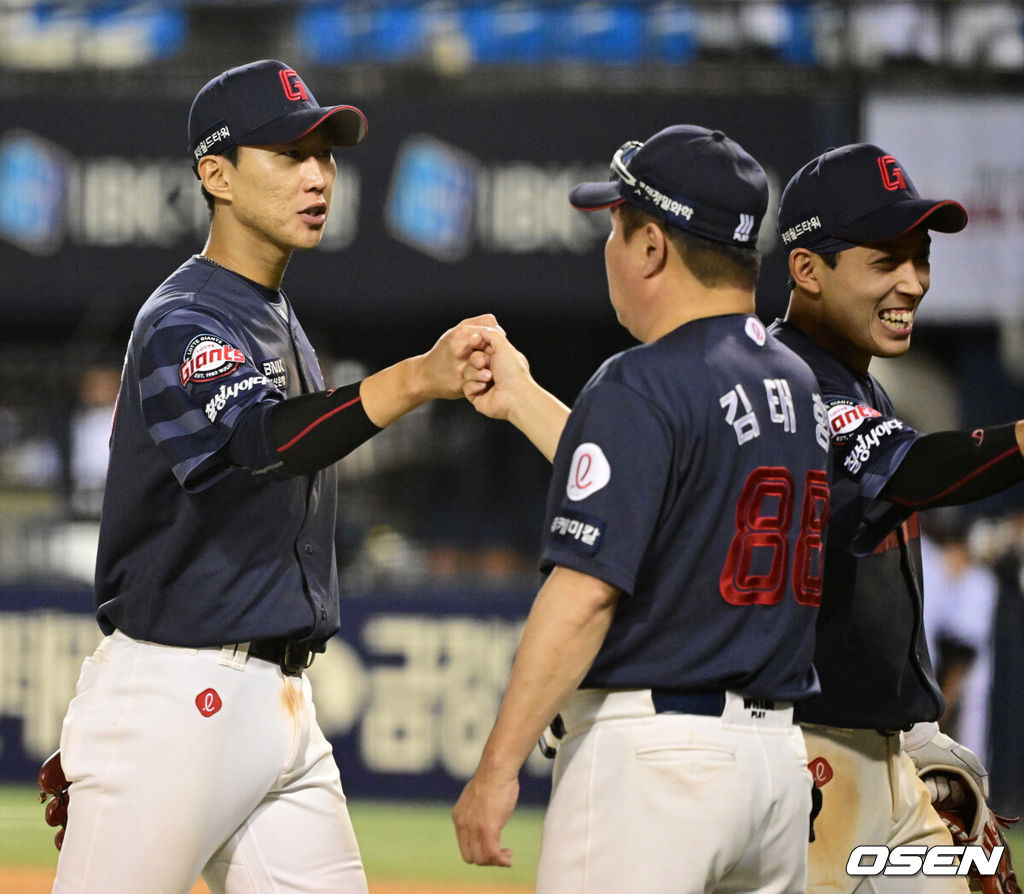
<point x="803" y="270"/>
<point x="655" y="247"/>
<point x="216" y="173"/>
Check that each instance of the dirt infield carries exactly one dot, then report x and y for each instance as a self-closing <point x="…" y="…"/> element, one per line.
<point x="40" y="881"/>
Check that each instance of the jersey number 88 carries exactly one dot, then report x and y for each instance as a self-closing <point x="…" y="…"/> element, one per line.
<point x="755" y="570"/>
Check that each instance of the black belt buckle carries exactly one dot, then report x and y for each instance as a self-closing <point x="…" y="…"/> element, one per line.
<point x="292" y="657"/>
<point x="295" y="659"/>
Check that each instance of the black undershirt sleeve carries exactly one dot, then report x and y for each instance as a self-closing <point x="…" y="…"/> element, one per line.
<point x="303" y="434"/>
<point x="954" y="467"/>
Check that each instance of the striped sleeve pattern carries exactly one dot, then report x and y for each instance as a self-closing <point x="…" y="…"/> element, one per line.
<point x="196" y="376"/>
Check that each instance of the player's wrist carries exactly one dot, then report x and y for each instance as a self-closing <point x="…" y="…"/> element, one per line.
<point x="523" y="401"/>
<point x="417" y="386"/>
<point x="497" y="769"/>
<point x="392" y="392"/>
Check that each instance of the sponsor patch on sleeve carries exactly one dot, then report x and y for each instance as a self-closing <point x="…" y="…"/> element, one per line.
<point x="582" y="533"/>
<point x="226" y="394"/>
<point x="588" y="472"/>
<point x="276" y="371"/>
<point x="845" y="417"/>
<point x="208" y="357"/>
<point x="857" y="430"/>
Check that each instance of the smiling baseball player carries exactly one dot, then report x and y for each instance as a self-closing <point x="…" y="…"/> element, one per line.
<point x="858" y="236"/>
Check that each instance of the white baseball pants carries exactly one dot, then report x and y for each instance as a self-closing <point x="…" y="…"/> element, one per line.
<point x="200" y="761"/>
<point x="871" y="796"/>
<point x="675" y="803"/>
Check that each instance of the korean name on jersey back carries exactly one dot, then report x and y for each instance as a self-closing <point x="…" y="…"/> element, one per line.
<point x="739" y="412"/>
<point x="208" y="357"/>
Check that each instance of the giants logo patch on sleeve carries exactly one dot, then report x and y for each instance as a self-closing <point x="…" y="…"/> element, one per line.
<point x="582" y="533"/>
<point x="588" y="472"/>
<point x="845" y="417"/>
<point x="209" y="357"/>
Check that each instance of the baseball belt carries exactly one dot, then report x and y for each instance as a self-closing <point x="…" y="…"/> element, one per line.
<point x="292" y="657"/>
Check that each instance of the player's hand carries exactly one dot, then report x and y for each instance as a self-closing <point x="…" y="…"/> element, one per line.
<point x="483" y="809"/>
<point x="494" y="375"/>
<point x="442" y="369"/>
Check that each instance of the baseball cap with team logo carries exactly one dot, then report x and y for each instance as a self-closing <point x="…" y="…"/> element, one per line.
<point x="262" y="104"/>
<point x="695" y="178"/>
<point x="856" y="194"/>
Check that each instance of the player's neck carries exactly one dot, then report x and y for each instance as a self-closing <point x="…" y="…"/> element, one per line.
<point x="255" y="259"/>
<point x="698" y="305"/>
<point x="807" y="317"/>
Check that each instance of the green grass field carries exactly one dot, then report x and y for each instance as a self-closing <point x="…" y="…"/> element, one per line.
<point x="400" y="841"/>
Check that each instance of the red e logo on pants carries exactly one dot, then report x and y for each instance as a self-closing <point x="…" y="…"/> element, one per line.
<point x="821" y="771"/>
<point x="208" y="702"/>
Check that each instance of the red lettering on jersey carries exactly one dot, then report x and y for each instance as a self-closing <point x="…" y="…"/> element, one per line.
<point x="294" y="89"/>
<point x="842" y="421"/>
<point x="892" y="174"/>
<point x="210" y="363"/>
<point x="208" y="702"/>
<point x="821" y="771"/>
<point x="978" y="436"/>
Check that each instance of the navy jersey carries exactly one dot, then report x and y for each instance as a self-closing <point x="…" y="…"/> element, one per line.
<point x="871" y="655"/>
<point x="193" y="551"/>
<point x="691" y="475"/>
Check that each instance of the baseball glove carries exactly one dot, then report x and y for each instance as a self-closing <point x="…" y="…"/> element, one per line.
<point x="958" y="783"/>
<point x="53" y="782"/>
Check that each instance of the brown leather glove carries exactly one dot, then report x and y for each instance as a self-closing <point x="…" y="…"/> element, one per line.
<point x="53" y="782"/>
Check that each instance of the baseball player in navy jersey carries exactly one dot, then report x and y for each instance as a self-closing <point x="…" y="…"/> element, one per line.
<point x="683" y="537"/>
<point x="191" y="746"/>
<point x="857" y="233"/>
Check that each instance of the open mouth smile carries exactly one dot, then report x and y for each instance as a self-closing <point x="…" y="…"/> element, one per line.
<point x="897" y="320"/>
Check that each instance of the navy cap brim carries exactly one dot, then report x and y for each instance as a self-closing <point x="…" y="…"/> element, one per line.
<point x="343" y="125"/>
<point x="596" y="196"/>
<point x="892" y="221"/>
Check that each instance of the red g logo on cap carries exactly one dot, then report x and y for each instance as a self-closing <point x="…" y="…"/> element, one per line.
<point x="892" y="175"/>
<point x="294" y="89"/>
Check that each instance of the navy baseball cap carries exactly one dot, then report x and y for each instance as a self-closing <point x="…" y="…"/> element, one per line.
<point x="262" y="104"/>
<point x="856" y="194"/>
<point x="686" y="175"/>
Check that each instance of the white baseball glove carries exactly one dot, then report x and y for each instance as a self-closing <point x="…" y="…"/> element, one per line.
<point x="958" y="783"/>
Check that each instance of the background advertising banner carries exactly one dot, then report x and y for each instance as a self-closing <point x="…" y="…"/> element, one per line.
<point x="979" y="272"/>
<point x="406" y="693"/>
<point x="453" y="204"/>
